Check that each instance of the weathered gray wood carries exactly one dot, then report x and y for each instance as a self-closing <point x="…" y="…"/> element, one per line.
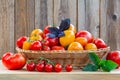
<point x="6" y="26"/>
<point x="30" y="16"/>
<point x="65" y="9"/>
<point x="81" y="14"/>
<point x="112" y="24"/>
<point x="92" y="17"/>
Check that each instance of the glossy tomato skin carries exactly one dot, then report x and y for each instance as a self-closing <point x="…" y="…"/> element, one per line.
<point x="45" y="42"/>
<point x="53" y="41"/>
<point x="20" y="41"/>
<point x="46" y="30"/>
<point x="100" y="43"/>
<point x="31" y="66"/>
<point x="58" y="48"/>
<point x="48" y="67"/>
<point x="46" y="48"/>
<point x="68" y="68"/>
<point x="36" y="45"/>
<point x="58" y="67"/>
<point x="13" y="61"/>
<point x="85" y="34"/>
<point x="114" y="56"/>
<point x="40" y="67"/>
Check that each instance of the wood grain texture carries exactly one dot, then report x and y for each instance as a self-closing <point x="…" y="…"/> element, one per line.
<point x="6" y="26"/>
<point x="65" y="9"/>
<point x="111" y="28"/>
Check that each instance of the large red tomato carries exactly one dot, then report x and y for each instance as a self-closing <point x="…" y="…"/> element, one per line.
<point x="114" y="56"/>
<point x="20" y="41"/>
<point x="100" y="43"/>
<point x="13" y="61"/>
<point x="85" y="34"/>
<point x="36" y="45"/>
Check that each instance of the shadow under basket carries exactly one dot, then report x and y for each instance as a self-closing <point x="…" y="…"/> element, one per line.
<point x="77" y="59"/>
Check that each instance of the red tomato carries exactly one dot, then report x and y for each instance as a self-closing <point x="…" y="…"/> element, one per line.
<point x="48" y="68"/>
<point x="85" y="34"/>
<point x="45" y="42"/>
<point x="36" y="45"/>
<point x="30" y="66"/>
<point x="58" y="67"/>
<point x="20" y="41"/>
<point x="100" y="43"/>
<point x="13" y="61"/>
<point x="46" y="30"/>
<point x="53" y="41"/>
<point x="114" y="56"/>
<point x="58" y="48"/>
<point x="46" y="48"/>
<point x="68" y="68"/>
<point x="40" y="67"/>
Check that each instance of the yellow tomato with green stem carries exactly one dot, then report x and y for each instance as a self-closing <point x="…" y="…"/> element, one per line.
<point x="68" y="38"/>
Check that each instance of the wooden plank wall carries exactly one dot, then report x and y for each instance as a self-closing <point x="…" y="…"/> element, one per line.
<point x="20" y="17"/>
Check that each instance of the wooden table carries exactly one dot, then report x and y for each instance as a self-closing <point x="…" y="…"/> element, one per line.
<point x="74" y="75"/>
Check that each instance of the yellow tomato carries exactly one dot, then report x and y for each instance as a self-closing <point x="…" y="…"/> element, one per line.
<point x="81" y="40"/>
<point x="72" y="27"/>
<point x="68" y="38"/>
<point x="90" y="46"/>
<point x="75" y="46"/>
<point x="36" y="32"/>
<point x="35" y="38"/>
<point x="26" y="45"/>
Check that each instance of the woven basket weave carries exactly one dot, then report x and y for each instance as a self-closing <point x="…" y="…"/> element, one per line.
<point x="76" y="58"/>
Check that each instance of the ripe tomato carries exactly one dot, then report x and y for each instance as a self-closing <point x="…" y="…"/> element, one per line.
<point x="46" y="48"/>
<point x="40" y="67"/>
<point x="31" y="66"/>
<point x="58" y="67"/>
<point x="68" y="38"/>
<point x="114" y="56"/>
<point x="81" y="40"/>
<point x="20" y="41"/>
<point x="85" y="34"/>
<point x="36" y="45"/>
<point x="90" y="46"/>
<point x="68" y="68"/>
<point x="46" y="30"/>
<point x="53" y="41"/>
<point x="45" y="42"/>
<point x="58" y="48"/>
<point x="13" y="61"/>
<point x="48" y="68"/>
<point x="75" y="46"/>
<point x="100" y="43"/>
<point x="36" y="32"/>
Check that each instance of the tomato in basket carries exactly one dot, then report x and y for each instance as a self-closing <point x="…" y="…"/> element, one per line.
<point x="20" y="41"/>
<point x="36" y="45"/>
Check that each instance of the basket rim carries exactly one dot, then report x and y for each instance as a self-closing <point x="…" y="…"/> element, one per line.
<point x="63" y="51"/>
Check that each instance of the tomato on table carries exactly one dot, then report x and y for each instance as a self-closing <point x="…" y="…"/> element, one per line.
<point x="30" y="66"/>
<point x="58" y="67"/>
<point x="13" y="61"/>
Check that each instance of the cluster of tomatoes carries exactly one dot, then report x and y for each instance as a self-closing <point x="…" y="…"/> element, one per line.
<point x="72" y="40"/>
<point x="46" y="66"/>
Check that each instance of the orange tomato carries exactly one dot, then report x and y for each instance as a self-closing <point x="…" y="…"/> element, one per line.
<point x="81" y="40"/>
<point x="36" y="32"/>
<point x="90" y="46"/>
<point x="68" y="38"/>
<point x="72" y="27"/>
<point x="75" y="46"/>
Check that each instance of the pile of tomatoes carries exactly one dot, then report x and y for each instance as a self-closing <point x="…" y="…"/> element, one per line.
<point x="46" y="65"/>
<point x="72" y="40"/>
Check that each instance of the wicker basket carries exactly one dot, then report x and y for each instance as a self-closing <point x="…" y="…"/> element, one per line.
<point x="76" y="58"/>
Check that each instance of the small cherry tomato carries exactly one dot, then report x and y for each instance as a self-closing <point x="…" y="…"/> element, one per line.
<point x="30" y="66"/>
<point x="68" y="68"/>
<point x="48" y="67"/>
<point x="46" y="30"/>
<point x="46" y="48"/>
<point x="58" y="67"/>
<point x="58" y="48"/>
<point x="36" y="45"/>
<point x="100" y="43"/>
<point x="45" y="42"/>
<point x="40" y="67"/>
<point x="20" y="41"/>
